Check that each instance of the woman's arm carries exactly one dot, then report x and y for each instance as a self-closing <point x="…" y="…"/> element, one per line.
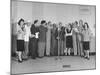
<point x="18" y="30"/>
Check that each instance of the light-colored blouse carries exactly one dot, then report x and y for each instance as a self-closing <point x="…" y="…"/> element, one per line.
<point x="20" y="33"/>
<point x="86" y="35"/>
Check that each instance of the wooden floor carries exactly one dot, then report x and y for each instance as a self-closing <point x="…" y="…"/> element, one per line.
<point x="48" y="64"/>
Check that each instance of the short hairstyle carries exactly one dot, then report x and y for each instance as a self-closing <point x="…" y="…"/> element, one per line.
<point x="35" y="21"/>
<point x="43" y="21"/>
<point x="20" y="21"/>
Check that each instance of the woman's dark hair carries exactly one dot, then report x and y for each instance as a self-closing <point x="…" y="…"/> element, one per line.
<point x="70" y="28"/>
<point x="35" y="21"/>
<point x="70" y="25"/>
<point x="20" y="21"/>
<point x="86" y="24"/>
<point x="43" y="21"/>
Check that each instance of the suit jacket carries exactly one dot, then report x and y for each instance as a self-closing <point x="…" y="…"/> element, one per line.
<point x="60" y="33"/>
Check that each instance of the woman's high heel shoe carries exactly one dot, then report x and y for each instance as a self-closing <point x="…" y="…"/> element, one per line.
<point x="20" y="61"/>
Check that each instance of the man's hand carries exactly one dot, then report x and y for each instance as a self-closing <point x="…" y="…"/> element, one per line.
<point x="58" y="38"/>
<point x="32" y="35"/>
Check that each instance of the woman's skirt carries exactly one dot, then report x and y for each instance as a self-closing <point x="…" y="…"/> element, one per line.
<point x="86" y="45"/>
<point x="20" y="45"/>
<point x="69" y="42"/>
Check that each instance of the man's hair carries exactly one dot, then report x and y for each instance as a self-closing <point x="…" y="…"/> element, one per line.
<point x="35" y="21"/>
<point x="43" y="21"/>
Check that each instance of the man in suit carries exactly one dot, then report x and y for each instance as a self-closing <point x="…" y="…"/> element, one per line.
<point x="42" y="38"/>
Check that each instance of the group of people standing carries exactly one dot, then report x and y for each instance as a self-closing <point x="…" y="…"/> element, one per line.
<point x="47" y="39"/>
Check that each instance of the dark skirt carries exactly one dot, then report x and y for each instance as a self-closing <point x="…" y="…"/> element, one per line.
<point x="69" y="42"/>
<point x="20" y="45"/>
<point x="86" y="45"/>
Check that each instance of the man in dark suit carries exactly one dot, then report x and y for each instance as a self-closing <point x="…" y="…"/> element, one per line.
<point x="60" y="32"/>
<point x="33" y="43"/>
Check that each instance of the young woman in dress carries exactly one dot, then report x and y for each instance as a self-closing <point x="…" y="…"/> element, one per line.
<point x="86" y="40"/>
<point x="20" y="39"/>
<point x="69" y="41"/>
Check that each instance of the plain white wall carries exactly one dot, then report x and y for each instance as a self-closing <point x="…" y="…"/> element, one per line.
<point x="24" y="10"/>
<point x="64" y="13"/>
